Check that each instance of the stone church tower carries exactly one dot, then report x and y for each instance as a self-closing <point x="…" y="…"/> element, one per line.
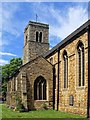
<point x="35" y="40"/>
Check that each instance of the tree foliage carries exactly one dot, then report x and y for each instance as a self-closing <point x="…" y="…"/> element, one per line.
<point x="9" y="70"/>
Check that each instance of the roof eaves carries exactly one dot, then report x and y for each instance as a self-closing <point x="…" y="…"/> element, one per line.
<point x="68" y="38"/>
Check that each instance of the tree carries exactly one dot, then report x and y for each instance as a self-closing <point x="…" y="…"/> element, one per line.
<point x="9" y="70"/>
<point x="15" y="63"/>
<point x="5" y="73"/>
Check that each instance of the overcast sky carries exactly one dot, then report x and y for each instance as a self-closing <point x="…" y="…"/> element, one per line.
<point x="63" y="18"/>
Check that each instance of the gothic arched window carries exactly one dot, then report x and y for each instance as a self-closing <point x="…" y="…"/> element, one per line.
<point x="40" y="88"/>
<point x="80" y="51"/>
<point x="65" y="57"/>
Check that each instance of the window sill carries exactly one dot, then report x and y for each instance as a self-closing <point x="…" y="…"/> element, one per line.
<point x="65" y="89"/>
<point x="80" y="87"/>
<point x="40" y="100"/>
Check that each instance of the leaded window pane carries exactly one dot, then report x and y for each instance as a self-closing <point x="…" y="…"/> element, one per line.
<point x="71" y="100"/>
<point x="40" y="89"/>
<point x="80" y="49"/>
<point x="65" y="69"/>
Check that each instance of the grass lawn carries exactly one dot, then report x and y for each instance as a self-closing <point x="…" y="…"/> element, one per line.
<point x="8" y="113"/>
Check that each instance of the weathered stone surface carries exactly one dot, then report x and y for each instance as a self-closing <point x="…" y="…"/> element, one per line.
<point x="34" y="69"/>
<point x="79" y="93"/>
<point x="41" y="67"/>
<point x="33" y="49"/>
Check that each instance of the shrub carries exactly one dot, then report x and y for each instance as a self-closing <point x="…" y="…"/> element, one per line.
<point x="19" y="105"/>
<point x="45" y="106"/>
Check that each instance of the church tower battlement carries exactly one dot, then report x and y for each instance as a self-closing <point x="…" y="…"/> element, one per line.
<point x="36" y="40"/>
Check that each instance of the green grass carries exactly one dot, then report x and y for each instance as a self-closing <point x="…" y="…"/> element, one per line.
<point x="9" y="113"/>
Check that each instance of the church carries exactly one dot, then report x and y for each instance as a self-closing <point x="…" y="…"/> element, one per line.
<point x="58" y="78"/>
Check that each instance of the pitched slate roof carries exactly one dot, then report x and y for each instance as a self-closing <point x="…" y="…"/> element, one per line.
<point x="82" y="29"/>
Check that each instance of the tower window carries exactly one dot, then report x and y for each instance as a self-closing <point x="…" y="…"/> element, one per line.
<point x="80" y="51"/>
<point x="40" y="88"/>
<point x="26" y="39"/>
<point x="36" y="36"/>
<point x="40" y="37"/>
<point x="65" y="57"/>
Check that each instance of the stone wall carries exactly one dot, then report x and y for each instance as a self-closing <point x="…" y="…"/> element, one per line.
<point x="36" y="49"/>
<point x="79" y="93"/>
<point x="14" y="90"/>
<point x="28" y="74"/>
<point x="38" y="67"/>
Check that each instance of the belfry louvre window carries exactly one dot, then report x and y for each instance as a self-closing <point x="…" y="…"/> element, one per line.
<point x="40" y="37"/>
<point x="36" y="36"/>
<point x="65" y="57"/>
<point x="80" y="50"/>
<point x="40" y="88"/>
